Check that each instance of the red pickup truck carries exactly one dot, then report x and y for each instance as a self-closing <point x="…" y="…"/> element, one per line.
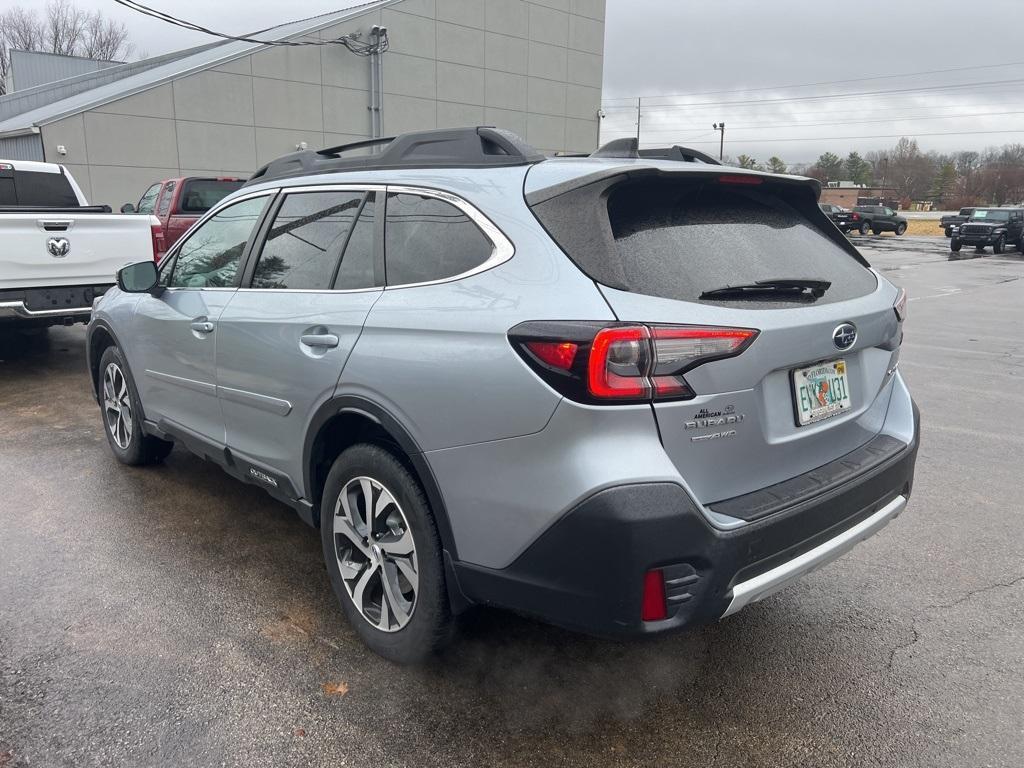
<point x="177" y="203"/>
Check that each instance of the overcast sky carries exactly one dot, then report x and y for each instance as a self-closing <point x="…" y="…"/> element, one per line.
<point x="656" y="48"/>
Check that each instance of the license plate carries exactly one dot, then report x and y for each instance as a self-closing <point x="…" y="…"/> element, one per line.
<point x="821" y="391"/>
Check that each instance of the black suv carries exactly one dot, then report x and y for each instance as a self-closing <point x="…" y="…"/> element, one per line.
<point x="997" y="227"/>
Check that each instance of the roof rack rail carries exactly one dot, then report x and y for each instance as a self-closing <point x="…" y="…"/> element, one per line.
<point x="629" y="149"/>
<point x="679" y="154"/>
<point x="479" y="147"/>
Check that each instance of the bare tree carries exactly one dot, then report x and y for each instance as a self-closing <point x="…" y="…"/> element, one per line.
<point x="64" y="29"/>
<point x="105" y="39"/>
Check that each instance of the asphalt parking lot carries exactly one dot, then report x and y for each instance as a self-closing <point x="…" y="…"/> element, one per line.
<point x="172" y="617"/>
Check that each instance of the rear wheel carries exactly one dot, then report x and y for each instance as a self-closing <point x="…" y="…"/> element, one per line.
<point x="1000" y="244"/>
<point x="901" y="228"/>
<point x="949" y="231"/>
<point x="383" y="555"/>
<point x="122" y="414"/>
<point x="955" y="245"/>
<point x="864" y="227"/>
<point x="979" y="249"/>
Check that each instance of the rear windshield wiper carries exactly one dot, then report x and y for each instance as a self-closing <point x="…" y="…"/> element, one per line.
<point x="783" y="288"/>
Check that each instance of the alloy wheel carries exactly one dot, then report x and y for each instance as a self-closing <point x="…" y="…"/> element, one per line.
<point x="117" y="406"/>
<point x="376" y="554"/>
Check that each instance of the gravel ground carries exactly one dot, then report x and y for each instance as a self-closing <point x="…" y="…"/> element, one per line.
<point x="172" y="617"/>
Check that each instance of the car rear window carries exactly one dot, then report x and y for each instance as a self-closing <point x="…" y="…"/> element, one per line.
<point x="678" y="241"/>
<point x="200" y="195"/>
<point x="678" y="238"/>
<point x="40" y="189"/>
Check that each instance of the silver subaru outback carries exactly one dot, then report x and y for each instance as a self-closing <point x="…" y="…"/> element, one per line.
<point x="622" y="393"/>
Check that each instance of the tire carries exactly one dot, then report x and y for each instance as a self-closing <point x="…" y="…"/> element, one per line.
<point x="949" y="231"/>
<point x="979" y="249"/>
<point x="864" y="227"/>
<point x="901" y="229"/>
<point x="410" y="621"/>
<point x="1020" y="245"/>
<point x="876" y="232"/>
<point x="121" y="411"/>
<point x="1000" y="245"/>
<point x="955" y="245"/>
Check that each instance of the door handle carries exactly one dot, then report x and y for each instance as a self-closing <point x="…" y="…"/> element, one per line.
<point x="327" y="340"/>
<point x="202" y="326"/>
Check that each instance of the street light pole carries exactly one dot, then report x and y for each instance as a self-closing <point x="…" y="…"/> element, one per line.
<point x="720" y="127"/>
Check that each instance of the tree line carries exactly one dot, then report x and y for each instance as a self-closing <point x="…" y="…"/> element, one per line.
<point x="994" y="176"/>
<point x="61" y="28"/>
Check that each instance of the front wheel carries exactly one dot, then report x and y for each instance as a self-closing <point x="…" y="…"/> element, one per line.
<point x="949" y="231"/>
<point x="864" y="227"/>
<point x="1000" y="245"/>
<point x="901" y="229"/>
<point x="955" y="245"/>
<point x="122" y="414"/>
<point x="383" y="555"/>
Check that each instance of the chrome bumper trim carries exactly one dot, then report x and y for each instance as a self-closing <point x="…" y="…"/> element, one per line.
<point x="772" y="581"/>
<point x="18" y="309"/>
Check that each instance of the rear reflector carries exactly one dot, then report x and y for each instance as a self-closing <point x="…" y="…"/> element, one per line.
<point x="559" y="354"/>
<point x="652" y="607"/>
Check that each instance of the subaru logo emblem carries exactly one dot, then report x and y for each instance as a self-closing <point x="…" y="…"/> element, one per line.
<point x="844" y="336"/>
<point x="58" y="247"/>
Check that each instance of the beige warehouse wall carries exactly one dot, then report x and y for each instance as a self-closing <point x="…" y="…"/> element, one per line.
<point x="532" y="66"/>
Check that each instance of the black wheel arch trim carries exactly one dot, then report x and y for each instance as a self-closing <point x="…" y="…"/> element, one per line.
<point x="90" y="332"/>
<point x="380" y="415"/>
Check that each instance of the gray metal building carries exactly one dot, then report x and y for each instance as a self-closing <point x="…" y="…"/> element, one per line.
<point x="31" y="68"/>
<point x="531" y="66"/>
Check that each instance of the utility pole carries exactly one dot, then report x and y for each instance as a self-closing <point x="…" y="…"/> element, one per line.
<point x="720" y="127"/>
<point x="638" y="120"/>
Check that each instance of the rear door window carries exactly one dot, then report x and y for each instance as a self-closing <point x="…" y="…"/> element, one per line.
<point x="427" y="239"/>
<point x="304" y="246"/>
<point x="165" y="199"/>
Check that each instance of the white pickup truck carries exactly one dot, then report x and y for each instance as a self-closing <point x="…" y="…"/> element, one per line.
<point x="58" y="253"/>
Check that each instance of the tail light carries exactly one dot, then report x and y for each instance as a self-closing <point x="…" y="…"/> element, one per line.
<point x="156" y="232"/>
<point x="601" y="363"/>
<point x="855" y="216"/>
<point x="900" y="307"/>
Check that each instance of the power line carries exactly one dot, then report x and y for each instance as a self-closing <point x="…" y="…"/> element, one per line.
<point x="349" y="41"/>
<point x="773" y="126"/>
<point x="860" y="94"/>
<point x="813" y="85"/>
<point x="876" y="136"/>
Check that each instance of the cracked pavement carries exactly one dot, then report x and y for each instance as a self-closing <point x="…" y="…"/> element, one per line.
<point x="170" y="616"/>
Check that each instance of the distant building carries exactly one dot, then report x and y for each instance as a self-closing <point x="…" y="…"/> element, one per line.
<point x="31" y="68"/>
<point x="848" y="194"/>
<point x="226" y="108"/>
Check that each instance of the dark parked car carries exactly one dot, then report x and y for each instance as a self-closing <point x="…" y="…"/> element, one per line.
<point x="997" y="227"/>
<point x="878" y="219"/>
<point x="179" y="203"/>
<point x="950" y="224"/>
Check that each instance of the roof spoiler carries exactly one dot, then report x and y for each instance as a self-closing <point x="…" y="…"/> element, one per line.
<point x="629" y="149"/>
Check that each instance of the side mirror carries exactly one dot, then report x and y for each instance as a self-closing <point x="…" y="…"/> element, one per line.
<point x="137" y="278"/>
<point x="127" y="208"/>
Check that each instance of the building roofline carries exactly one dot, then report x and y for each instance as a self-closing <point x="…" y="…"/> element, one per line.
<point x="53" y="112"/>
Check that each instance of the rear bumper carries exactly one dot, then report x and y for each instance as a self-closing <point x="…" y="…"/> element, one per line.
<point x="586" y="572"/>
<point x="49" y="305"/>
